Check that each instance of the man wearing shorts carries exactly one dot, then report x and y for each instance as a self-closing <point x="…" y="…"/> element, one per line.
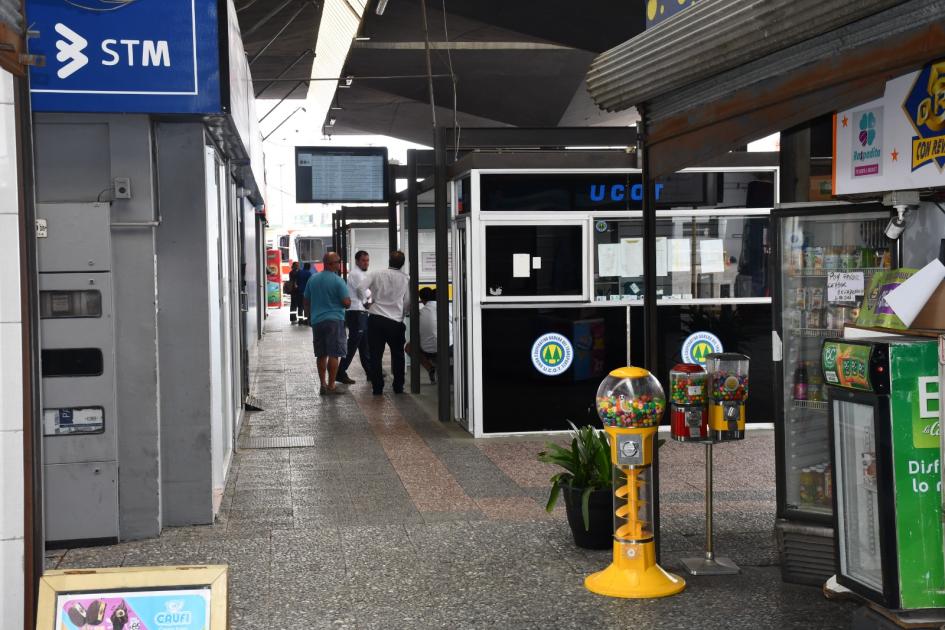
<point x="326" y="298"/>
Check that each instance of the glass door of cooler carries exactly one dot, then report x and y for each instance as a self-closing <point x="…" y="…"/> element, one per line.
<point x="814" y="244"/>
<point x="858" y="506"/>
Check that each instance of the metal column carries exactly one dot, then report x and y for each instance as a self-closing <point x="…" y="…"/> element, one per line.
<point x="412" y="247"/>
<point x="441" y="225"/>
<point x="650" y="314"/>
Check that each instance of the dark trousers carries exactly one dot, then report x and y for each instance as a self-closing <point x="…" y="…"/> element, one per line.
<point x="297" y="303"/>
<point x="357" y="323"/>
<point x="383" y="331"/>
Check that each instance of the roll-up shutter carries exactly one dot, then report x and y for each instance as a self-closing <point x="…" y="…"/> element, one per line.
<point x="708" y="84"/>
<point x="710" y="37"/>
<point x="12" y="36"/>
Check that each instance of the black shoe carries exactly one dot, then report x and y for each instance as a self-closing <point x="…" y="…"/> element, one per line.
<point x="344" y="378"/>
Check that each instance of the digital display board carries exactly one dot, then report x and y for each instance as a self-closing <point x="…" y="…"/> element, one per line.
<point x="340" y="174"/>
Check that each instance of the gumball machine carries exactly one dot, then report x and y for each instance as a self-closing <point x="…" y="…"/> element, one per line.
<point x="728" y="391"/>
<point x="689" y="420"/>
<point x="630" y="403"/>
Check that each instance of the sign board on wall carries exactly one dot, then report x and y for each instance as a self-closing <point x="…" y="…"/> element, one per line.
<point x="659" y="10"/>
<point x="149" y="56"/>
<point x="896" y="142"/>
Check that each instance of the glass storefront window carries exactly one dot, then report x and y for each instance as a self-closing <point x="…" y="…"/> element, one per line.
<point x="697" y="256"/>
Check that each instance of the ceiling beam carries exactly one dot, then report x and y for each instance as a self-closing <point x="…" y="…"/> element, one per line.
<point x="372" y="45"/>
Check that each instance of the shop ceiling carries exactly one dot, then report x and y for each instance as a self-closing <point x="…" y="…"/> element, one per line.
<point x="514" y="63"/>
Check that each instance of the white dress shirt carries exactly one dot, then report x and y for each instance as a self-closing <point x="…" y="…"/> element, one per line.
<point x="428" y="327"/>
<point x="358" y="289"/>
<point x="389" y="293"/>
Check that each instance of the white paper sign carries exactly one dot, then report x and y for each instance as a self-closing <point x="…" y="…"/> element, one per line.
<point x="536" y="262"/>
<point x="910" y="297"/>
<point x="608" y="255"/>
<point x="680" y="255"/>
<point x="843" y="286"/>
<point x="521" y="265"/>
<point x="711" y="256"/>
<point x="661" y="254"/>
<point x="631" y="257"/>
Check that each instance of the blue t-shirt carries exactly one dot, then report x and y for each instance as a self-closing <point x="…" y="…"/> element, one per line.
<point x="325" y="291"/>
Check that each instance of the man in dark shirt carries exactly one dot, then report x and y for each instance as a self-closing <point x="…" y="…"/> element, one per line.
<point x="301" y="281"/>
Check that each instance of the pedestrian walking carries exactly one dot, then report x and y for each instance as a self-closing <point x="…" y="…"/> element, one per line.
<point x="295" y="293"/>
<point x="389" y="302"/>
<point x="356" y="318"/>
<point x="301" y="281"/>
<point x="326" y="298"/>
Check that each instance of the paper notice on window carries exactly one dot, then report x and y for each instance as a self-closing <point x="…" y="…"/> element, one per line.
<point x="536" y="262"/>
<point x="661" y="254"/>
<point x="711" y="256"/>
<point x="680" y="255"/>
<point x="521" y="265"/>
<point x="608" y="257"/>
<point x="631" y="257"/>
<point x="843" y="286"/>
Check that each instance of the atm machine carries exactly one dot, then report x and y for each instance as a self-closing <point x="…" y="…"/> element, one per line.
<point x="77" y="331"/>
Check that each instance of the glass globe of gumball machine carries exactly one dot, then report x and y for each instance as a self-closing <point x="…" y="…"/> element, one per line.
<point x="687" y="391"/>
<point x="630" y="403"/>
<point x="728" y="391"/>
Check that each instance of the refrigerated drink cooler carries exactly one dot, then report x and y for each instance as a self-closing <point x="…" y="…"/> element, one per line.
<point x="814" y="244"/>
<point x="883" y="406"/>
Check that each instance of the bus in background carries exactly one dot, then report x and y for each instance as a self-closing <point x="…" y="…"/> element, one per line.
<point x="303" y="247"/>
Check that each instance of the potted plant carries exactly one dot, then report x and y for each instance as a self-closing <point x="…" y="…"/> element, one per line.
<point x="586" y="484"/>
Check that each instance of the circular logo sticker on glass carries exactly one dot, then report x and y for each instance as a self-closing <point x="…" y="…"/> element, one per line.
<point x="698" y="346"/>
<point x="552" y="354"/>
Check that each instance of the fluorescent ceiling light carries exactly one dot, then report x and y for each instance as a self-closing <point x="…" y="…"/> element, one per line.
<point x="381" y="6"/>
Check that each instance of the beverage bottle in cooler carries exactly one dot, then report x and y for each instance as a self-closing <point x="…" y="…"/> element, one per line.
<point x="800" y="381"/>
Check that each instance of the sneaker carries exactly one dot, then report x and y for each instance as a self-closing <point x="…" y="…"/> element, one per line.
<point x="347" y="380"/>
<point x="432" y="372"/>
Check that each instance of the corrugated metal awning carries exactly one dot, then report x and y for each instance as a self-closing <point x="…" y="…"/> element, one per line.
<point x="710" y="37"/>
<point x="694" y="113"/>
<point x="12" y="32"/>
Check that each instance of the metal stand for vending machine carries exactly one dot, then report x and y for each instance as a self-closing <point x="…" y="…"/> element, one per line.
<point x="710" y="564"/>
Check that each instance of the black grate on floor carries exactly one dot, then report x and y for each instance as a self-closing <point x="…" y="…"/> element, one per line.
<point x="288" y="441"/>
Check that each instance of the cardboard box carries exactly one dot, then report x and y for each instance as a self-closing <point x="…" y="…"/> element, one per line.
<point x="932" y="315"/>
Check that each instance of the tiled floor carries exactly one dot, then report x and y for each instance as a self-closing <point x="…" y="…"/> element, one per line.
<point x="393" y="520"/>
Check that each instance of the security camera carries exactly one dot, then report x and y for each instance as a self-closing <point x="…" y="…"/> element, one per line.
<point x="896" y="224"/>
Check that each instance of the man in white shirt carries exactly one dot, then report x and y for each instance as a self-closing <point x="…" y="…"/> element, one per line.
<point x="356" y="318"/>
<point x="389" y="300"/>
<point x="428" y="346"/>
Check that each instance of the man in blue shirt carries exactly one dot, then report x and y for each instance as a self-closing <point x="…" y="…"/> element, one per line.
<point x="301" y="281"/>
<point x="326" y="298"/>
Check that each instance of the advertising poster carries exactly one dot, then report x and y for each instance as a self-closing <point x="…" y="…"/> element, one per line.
<point x="273" y="278"/>
<point x="896" y="142"/>
<point x="135" y="610"/>
<point x="915" y="402"/>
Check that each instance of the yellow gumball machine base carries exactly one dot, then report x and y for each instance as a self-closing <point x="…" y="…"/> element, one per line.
<point x="634" y="574"/>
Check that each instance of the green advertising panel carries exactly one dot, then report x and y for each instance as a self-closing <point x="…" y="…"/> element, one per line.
<point x="914" y="404"/>
<point x="847" y="365"/>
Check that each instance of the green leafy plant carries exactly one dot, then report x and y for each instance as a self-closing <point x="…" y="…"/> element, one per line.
<point x="586" y="466"/>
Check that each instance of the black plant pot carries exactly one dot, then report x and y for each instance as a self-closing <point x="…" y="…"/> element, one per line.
<point x="600" y="510"/>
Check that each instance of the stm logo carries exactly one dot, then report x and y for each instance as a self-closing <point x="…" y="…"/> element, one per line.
<point x="124" y="52"/>
<point x="70" y="51"/>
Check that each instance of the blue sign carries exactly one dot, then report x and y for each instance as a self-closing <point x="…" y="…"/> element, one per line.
<point x="659" y="10"/>
<point x="700" y="345"/>
<point x="147" y="56"/>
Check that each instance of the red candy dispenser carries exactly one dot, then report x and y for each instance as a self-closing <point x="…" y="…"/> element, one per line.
<point x="689" y="417"/>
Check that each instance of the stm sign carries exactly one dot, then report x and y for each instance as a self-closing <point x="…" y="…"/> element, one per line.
<point x="127" y="52"/>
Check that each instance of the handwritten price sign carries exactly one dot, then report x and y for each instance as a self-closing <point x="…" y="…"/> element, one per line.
<point x="844" y="286"/>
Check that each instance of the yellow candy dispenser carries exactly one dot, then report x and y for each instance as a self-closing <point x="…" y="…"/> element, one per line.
<point x="630" y="403"/>
<point x="728" y="393"/>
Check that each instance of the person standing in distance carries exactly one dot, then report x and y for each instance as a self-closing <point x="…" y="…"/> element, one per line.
<point x="386" y="322"/>
<point x="301" y="281"/>
<point x="326" y="298"/>
<point x="356" y="318"/>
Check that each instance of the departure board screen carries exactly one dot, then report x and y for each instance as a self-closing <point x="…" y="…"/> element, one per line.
<point x="340" y="174"/>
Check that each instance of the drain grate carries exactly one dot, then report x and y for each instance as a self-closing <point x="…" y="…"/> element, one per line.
<point x="287" y="441"/>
